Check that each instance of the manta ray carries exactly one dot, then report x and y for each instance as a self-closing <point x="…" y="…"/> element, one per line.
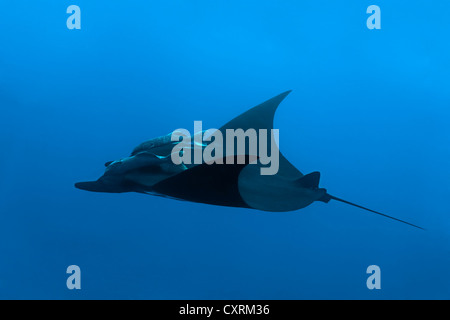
<point x="150" y="170"/>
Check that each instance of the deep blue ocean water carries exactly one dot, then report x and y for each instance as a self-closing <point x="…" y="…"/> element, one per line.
<point x="369" y="110"/>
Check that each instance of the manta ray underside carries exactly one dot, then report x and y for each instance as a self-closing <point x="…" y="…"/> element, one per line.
<point x="150" y="169"/>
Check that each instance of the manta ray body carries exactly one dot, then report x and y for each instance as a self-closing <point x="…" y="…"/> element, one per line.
<point x="150" y="169"/>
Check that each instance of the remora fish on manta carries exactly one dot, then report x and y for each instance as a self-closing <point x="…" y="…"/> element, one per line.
<point x="149" y="169"/>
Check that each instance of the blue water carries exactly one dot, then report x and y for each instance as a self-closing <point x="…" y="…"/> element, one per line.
<point x="369" y="110"/>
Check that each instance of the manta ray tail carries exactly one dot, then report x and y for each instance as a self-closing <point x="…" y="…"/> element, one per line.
<point x="329" y="197"/>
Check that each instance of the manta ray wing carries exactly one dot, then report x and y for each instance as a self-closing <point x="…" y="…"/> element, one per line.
<point x="261" y="117"/>
<point x="242" y="185"/>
